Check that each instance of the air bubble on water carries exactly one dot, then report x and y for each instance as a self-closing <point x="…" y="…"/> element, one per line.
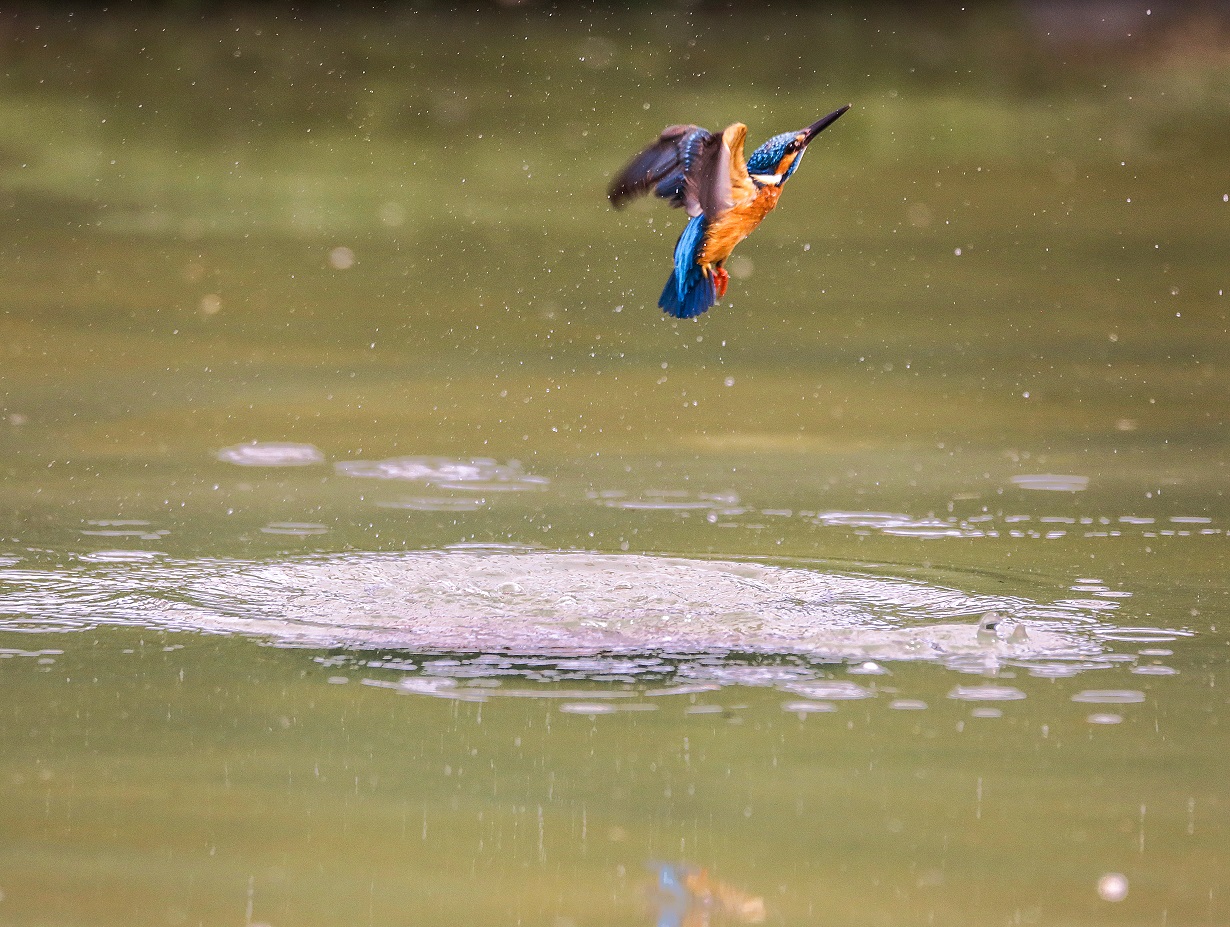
<point x="868" y="668"/>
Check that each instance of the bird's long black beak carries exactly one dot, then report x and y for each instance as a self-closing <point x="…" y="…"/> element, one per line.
<point x="821" y="124"/>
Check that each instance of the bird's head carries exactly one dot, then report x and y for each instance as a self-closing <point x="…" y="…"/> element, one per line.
<point x="773" y="162"/>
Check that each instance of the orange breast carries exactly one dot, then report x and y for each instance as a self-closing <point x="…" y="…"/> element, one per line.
<point x="736" y="224"/>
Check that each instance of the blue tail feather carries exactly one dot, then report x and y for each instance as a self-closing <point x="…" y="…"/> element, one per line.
<point x="689" y="291"/>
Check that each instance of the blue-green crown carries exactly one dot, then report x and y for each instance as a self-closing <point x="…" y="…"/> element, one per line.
<point x="764" y="160"/>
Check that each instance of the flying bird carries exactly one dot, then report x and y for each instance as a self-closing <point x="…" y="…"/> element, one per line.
<point x="725" y="196"/>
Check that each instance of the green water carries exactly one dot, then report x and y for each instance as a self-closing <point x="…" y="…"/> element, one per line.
<point x="981" y="346"/>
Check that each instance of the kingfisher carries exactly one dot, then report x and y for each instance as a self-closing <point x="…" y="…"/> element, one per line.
<point x="725" y="196"/>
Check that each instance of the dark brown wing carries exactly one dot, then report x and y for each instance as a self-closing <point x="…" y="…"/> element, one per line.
<point x="662" y="167"/>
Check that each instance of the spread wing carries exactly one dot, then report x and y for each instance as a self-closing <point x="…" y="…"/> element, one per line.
<point x="664" y="166"/>
<point x="720" y="180"/>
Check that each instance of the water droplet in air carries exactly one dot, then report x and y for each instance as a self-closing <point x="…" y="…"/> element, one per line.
<point x="1113" y="886"/>
<point x="341" y="258"/>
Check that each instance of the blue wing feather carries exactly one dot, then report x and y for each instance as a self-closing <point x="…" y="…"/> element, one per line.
<point x="671" y="187"/>
<point x="689" y="291"/>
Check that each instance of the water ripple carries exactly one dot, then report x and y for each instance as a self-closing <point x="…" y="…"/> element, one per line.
<point x="271" y="454"/>
<point x="492" y="614"/>
<point x="830" y="689"/>
<point x="726" y="510"/>
<point x="1051" y="482"/>
<point x="480" y="474"/>
<point x="987" y="693"/>
<point x="1110" y="696"/>
<point x="670" y="500"/>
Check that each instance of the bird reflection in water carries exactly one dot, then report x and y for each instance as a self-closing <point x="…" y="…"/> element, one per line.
<point x="687" y="896"/>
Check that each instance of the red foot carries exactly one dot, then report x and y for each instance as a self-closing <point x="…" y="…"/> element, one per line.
<point x="720" y="281"/>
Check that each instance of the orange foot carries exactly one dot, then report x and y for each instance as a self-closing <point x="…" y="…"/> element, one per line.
<point x="720" y="281"/>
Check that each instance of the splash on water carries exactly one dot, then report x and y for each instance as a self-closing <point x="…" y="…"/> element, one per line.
<point x="584" y="615"/>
